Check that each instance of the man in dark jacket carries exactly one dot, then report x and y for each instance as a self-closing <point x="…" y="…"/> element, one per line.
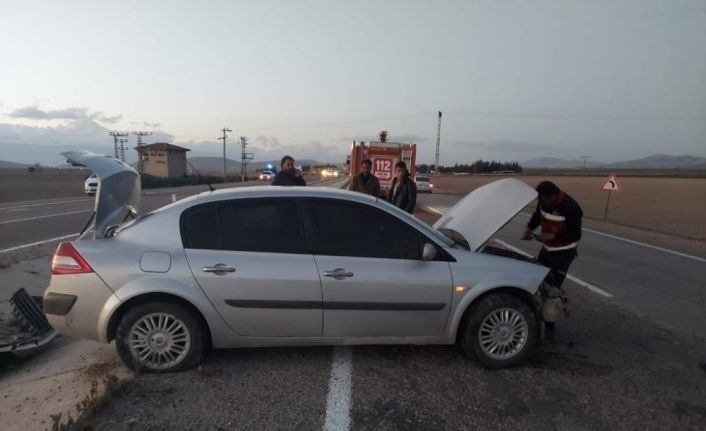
<point x="288" y="174"/>
<point x="365" y="181"/>
<point x="560" y="217"/>
<point x="403" y="193"/>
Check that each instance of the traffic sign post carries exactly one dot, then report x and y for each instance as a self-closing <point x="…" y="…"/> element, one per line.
<point x="610" y="185"/>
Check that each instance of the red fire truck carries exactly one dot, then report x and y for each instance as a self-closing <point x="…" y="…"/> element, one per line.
<point x="383" y="155"/>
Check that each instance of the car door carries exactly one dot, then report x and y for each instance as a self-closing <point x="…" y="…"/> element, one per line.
<point x="374" y="281"/>
<point x="250" y="258"/>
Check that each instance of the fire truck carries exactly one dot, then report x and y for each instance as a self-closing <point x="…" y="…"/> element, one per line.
<point x="384" y="155"/>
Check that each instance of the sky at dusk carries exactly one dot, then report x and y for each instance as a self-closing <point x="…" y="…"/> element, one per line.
<point x="515" y="80"/>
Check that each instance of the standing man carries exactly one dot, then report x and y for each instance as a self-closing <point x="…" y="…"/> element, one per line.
<point x="365" y="181"/>
<point x="560" y="217"/>
<point x="403" y="193"/>
<point x="288" y="175"/>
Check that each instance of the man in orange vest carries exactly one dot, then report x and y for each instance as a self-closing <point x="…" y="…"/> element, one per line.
<point x="560" y="217"/>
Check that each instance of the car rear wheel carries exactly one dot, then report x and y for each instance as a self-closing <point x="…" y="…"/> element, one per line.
<point x="159" y="338"/>
<point x="500" y="330"/>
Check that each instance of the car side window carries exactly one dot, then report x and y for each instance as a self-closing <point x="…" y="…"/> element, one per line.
<point x="344" y="228"/>
<point x="264" y="225"/>
<point x="260" y="225"/>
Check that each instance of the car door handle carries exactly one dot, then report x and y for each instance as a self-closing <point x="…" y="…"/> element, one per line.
<point x="218" y="269"/>
<point x="338" y="273"/>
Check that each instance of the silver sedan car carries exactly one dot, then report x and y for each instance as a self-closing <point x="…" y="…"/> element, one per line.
<point x="290" y="266"/>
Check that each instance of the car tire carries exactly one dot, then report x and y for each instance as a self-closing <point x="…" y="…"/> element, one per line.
<point x="499" y="331"/>
<point x="167" y="334"/>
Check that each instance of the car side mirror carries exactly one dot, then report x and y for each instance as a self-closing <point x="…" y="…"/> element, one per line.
<point x="428" y="252"/>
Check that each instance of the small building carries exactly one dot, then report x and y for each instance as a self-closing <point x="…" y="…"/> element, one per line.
<point x="162" y="159"/>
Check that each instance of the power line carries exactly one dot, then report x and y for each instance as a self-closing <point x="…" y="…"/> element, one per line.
<point x="122" y="148"/>
<point x="584" y="160"/>
<point x="438" y="144"/>
<point x="337" y="123"/>
<point x="224" y="130"/>
<point x="140" y="161"/>
<point x="116" y="135"/>
<point x="628" y="117"/>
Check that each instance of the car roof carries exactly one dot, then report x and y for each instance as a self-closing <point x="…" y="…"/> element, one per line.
<point x="271" y="191"/>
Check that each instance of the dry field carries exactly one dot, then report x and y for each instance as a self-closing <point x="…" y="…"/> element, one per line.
<point x="675" y="206"/>
<point x="20" y="185"/>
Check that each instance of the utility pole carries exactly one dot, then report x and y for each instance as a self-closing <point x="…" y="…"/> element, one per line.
<point x="122" y="148"/>
<point x="584" y="160"/>
<point x="224" y="130"/>
<point x="438" y="143"/>
<point x="140" y="162"/>
<point x="244" y="157"/>
<point x="115" y="136"/>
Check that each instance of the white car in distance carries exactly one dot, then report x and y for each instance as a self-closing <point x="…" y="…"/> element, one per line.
<point x="266" y="176"/>
<point x="90" y="186"/>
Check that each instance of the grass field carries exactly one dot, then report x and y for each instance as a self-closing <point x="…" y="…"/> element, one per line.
<point x="19" y="184"/>
<point x="675" y="206"/>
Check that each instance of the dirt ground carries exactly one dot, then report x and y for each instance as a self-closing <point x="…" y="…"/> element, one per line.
<point x="675" y="206"/>
<point x="20" y="185"/>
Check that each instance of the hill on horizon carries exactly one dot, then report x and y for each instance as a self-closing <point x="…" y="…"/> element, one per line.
<point x="656" y="161"/>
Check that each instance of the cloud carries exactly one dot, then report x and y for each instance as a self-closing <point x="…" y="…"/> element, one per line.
<point x="270" y="148"/>
<point x="515" y="146"/>
<point x="32" y="112"/>
<point x="110" y="120"/>
<point x="22" y="143"/>
<point x="147" y="124"/>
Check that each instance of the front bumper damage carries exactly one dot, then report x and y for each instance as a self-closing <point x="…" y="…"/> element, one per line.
<point x="28" y="328"/>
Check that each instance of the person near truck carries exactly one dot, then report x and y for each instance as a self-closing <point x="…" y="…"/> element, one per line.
<point x="559" y="216"/>
<point x="365" y="181"/>
<point x="288" y="174"/>
<point x="403" y="192"/>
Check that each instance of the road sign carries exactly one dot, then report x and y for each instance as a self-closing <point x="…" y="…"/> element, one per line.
<point x="611" y="184"/>
<point x="382" y="168"/>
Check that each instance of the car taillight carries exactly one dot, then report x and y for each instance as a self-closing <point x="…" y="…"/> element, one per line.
<point x="67" y="260"/>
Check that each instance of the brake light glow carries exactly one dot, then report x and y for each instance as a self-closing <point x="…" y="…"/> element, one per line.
<point x="67" y="260"/>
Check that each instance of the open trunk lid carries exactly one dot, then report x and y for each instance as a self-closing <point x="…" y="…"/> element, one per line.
<point x="118" y="194"/>
<point x="486" y="210"/>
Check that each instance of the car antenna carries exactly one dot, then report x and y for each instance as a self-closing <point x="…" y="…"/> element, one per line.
<point x="210" y="187"/>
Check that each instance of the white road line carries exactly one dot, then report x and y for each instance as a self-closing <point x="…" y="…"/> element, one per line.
<point x="587" y="285"/>
<point x="45" y="203"/>
<point x="338" y="404"/>
<point x="59" y="238"/>
<point x="434" y="210"/>
<point x="619" y="238"/>
<point x="632" y="241"/>
<point x="44" y="216"/>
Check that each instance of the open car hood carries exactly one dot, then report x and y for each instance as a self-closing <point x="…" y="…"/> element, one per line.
<point x="486" y="209"/>
<point x="118" y="194"/>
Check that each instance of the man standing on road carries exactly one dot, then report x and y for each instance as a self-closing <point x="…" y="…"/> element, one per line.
<point x="288" y="174"/>
<point x="560" y="217"/>
<point x="365" y="181"/>
<point x="403" y="193"/>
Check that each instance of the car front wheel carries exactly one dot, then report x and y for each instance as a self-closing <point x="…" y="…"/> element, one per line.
<point x="159" y="338"/>
<point x="499" y="331"/>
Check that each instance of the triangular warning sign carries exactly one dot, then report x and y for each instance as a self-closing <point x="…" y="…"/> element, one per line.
<point x="611" y="184"/>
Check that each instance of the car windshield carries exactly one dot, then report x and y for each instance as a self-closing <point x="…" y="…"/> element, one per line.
<point x="423" y="179"/>
<point x="425" y="228"/>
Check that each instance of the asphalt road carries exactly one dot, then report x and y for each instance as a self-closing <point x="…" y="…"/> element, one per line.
<point x="636" y="360"/>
